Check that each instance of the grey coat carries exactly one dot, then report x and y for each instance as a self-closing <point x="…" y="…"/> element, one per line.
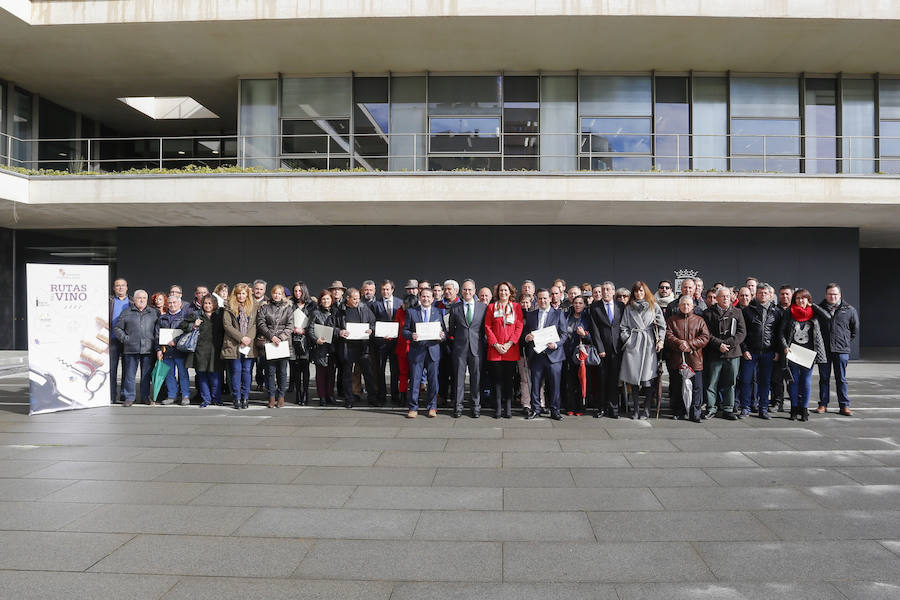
<point x="640" y="331"/>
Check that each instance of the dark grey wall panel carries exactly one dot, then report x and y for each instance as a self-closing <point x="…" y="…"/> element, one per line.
<point x="155" y="257"/>
<point x="7" y="282"/>
<point x="880" y="327"/>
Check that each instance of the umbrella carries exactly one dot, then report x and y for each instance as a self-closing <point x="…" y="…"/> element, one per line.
<point x="687" y="385"/>
<point x="158" y="377"/>
<point x="582" y="368"/>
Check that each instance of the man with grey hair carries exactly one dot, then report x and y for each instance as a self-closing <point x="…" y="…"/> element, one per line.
<point x="466" y="330"/>
<point x="135" y="329"/>
<point x="446" y="372"/>
<point x="726" y="334"/>
<point x="606" y="317"/>
<point x="759" y="351"/>
<point x="688" y="288"/>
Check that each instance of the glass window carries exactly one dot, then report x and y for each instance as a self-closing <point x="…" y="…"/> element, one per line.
<point x="315" y="97"/>
<point x="765" y="124"/>
<point x="407" y="148"/>
<point x="320" y="136"/>
<point x="521" y="112"/>
<point x="22" y="128"/>
<point x="889" y="98"/>
<point x="889" y="126"/>
<point x="609" y="136"/>
<point x="465" y="134"/>
<point x="615" y="96"/>
<point x="710" y="123"/>
<point x="56" y="123"/>
<point x="672" y="124"/>
<point x="559" y="123"/>
<point x="858" y="124"/>
<point x="464" y="95"/>
<point x="371" y="122"/>
<point x="259" y="123"/>
<point x="821" y="126"/>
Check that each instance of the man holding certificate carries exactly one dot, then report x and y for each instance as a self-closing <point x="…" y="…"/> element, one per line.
<point x="424" y="327"/>
<point x="385" y="309"/>
<point x="356" y="323"/>
<point x="466" y="327"/>
<point x="545" y="336"/>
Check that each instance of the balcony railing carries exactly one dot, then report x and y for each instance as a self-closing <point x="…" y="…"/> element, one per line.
<point x="468" y="151"/>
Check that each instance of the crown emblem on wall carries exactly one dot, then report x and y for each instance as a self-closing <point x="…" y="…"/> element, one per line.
<point x="685" y="273"/>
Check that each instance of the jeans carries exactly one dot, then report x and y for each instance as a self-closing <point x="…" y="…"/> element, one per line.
<point x="176" y="363"/>
<point x="209" y="386"/>
<point x="838" y="362"/>
<point x="116" y="354"/>
<point x="276" y="377"/>
<point x="129" y="371"/>
<point x="726" y="370"/>
<point x="760" y="366"/>
<point x="241" y="369"/>
<point x="799" y="388"/>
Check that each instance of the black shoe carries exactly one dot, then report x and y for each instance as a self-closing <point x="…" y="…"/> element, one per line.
<point x="456" y="414"/>
<point x="729" y="416"/>
<point x="245" y="403"/>
<point x="236" y="404"/>
<point x="613" y="415"/>
<point x="506" y="415"/>
<point x="764" y="415"/>
<point x="476" y="414"/>
<point x="781" y="406"/>
<point x="677" y="417"/>
<point x="598" y="414"/>
<point x="348" y="403"/>
<point x="533" y="415"/>
<point x="709" y="414"/>
<point x="794" y="413"/>
<point x="556" y="416"/>
<point x="498" y="415"/>
<point x="804" y="414"/>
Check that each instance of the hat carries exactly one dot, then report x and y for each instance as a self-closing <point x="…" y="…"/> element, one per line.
<point x="336" y="285"/>
<point x="412" y="283"/>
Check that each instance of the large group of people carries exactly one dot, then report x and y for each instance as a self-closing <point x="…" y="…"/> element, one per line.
<point x="560" y="350"/>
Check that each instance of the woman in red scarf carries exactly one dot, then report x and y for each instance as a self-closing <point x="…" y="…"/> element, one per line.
<point x="503" y="325"/>
<point x="800" y="328"/>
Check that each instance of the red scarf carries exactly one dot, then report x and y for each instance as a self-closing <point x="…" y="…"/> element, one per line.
<point x="801" y="314"/>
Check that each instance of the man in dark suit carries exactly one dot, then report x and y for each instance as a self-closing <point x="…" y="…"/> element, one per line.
<point x="385" y="309"/>
<point x="355" y="352"/>
<point x="606" y="317"/>
<point x="424" y="355"/>
<point x="548" y="362"/>
<point x="466" y="328"/>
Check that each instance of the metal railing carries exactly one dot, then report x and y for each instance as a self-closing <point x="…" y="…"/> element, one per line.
<point x="475" y="151"/>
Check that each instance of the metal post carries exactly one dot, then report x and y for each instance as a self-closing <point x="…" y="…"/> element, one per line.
<point x="415" y="153"/>
<point x="160" y="153"/>
<point x="764" y="154"/>
<point x="89" y="155"/>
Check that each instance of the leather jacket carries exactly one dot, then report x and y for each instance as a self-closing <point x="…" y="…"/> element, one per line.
<point x="691" y="329"/>
<point x="762" y="327"/>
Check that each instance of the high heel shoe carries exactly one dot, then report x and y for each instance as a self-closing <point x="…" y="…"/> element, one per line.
<point x="804" y="414"/>
<point x="793" y="413"/>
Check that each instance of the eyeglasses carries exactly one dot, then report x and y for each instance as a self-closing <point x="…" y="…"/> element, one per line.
<point x="622" y="296"/>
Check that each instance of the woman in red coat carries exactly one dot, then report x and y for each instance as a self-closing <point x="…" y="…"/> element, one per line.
<point x="503" y="325"/>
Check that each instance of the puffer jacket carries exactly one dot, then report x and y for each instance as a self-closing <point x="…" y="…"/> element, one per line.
<point x="274" y="319"/>
<point x="136" y="329"/>
<point x="762" y="327"/>
<point x="840" y="326"/>
<point x="721" y="324"/>
<point x="691" y="329"/>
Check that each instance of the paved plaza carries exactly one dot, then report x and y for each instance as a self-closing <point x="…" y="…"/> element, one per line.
<point x="188" y="503"/>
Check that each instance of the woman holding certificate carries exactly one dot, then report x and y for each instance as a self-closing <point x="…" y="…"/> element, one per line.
<point x="239" y="321"/>
<point x="643" y="333"/>
<point x="320" y="336"/>
<point x="303" y="307"/>
<point x="801" y="336"/>
<point x="274" y="325"/>
<point x="503" y="324"/>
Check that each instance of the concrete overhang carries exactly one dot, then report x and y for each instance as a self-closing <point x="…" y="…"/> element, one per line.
<point x="83" y="55"/>
<point x="871" y="204"/>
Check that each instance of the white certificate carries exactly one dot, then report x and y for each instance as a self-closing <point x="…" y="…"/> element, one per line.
<point x="544" y="336"/>
<point x="167" y="335"/>
<point x="282" y="350"/>
<point x="802" y="356"/>
<point x="245" y="350"/>
<point x="357" y="331"/>
<point x="447" y="320"/>
<point x="324" y="332"/>
<point x="300" y="319"/>
<point x="429" y="331"/>
<point x="386" y="329"/>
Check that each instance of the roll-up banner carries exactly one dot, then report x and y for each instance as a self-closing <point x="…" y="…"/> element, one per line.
<point x="68" y="336"/>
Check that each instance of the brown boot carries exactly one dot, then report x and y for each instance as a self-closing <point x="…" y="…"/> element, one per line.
<point x="271" y="402"/>
<point x="281" y="402"/>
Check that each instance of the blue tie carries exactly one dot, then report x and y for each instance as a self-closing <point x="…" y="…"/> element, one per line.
<point x="609" y="311"/>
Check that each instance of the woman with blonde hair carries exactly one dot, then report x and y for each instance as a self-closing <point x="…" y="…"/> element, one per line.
<point x="239" y="321"/>
<point x="643" y="333"/>
<point x="275" y="324"/>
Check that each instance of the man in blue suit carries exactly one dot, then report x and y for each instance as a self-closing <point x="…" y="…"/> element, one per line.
<point x="385" y="309"/>
<point x="547" y="363"/>
<point x="423" y="355"/>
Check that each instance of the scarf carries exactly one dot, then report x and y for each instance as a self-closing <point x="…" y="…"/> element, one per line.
<point x="801" y="314"/>
<point x="243" y="320"/>
<point x="665" y="301"/>
<point x="640" y="305"/>
<point x="507" y="313"/>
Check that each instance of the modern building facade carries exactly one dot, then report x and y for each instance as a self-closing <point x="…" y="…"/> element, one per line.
<point x="204" y="142"/>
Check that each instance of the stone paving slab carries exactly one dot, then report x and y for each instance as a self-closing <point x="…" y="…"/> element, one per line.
<point x="678" y="526"/>
<point x="209" y="556"/>
<point x="27" y="550"/>
<point x="871" y="497"/>
<point x="128" y="492"/>
<point x="873" y="475"/>
<point x="734" y="498"/>
<point x="833" y="524"/>
<point x="431" y="498"/>
<point x="31" y="489"/>
<point x="204" y="473"/>
<point x="340" y="523"/>
<point x="615" y="499"/>
<point x="403" y="560"/>
<point x="641" y="477"/>
<point x="34" y="516"/>
<point x="779" y="476"/>
<point x="504" y="591"/>
<point x="729" y="591"/>
<point x="395" y="458"/>
<point x="113" y="471"/>
<point x="207" y="588"/>
<point x="227" y="494"/>
<point x="41" y="585"/>
<point x="518" y="477"/>
<point x="504" y="526"/>
<point x="401" y="476"/>
<point x="183" y="520"/>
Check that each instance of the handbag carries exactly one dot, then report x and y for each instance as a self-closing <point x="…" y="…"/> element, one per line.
<point x="593" y="357"/>
<point x="187" y="342"/>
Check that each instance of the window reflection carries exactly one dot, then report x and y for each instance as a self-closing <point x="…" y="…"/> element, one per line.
<point x="672" y="117"/>
<point x="521" y="112"/>
<point x="320" y="136"/>
<point x="821" y="126"/>
<point x="609" y="136"/>
<point x="371" y="122"/>
<point x="463" y="134"/>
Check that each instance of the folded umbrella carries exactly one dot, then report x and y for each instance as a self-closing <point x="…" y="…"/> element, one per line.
<point x="158" y="377"/>
<point x="687" y="385"/>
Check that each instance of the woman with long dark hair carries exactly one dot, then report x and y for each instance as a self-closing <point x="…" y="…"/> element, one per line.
<point x="800" y="327"/>
<point x="503" y="326"/>
<point x="321" y="350"/>
<point x="274" y="324"/>
<point x="643" y="333"/>
<point x="300" y="365"/>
